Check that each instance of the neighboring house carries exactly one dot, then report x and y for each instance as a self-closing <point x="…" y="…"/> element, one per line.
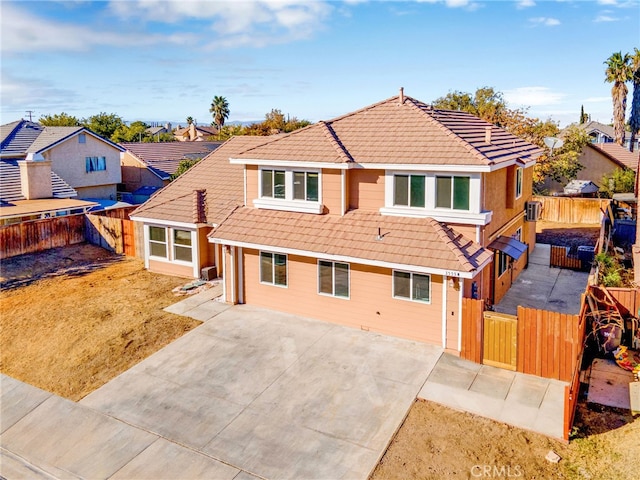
<point x="601" y="133"/>
<point x="385" y="232"/>
<point x="152" y="164"/>
<point x="581" y="188"/>
<point x="194" y="133"/>
<point x="158" y="130"/>
<point x="599" y="159"/>
<point x="85" y="161"/>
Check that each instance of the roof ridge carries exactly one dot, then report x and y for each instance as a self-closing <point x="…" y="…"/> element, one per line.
<point x="141" y="208"/>
<point x="330" y="134"/>
<point x="444" y="232"/>
<point x="363" y="109"/>
<point x="414" y="103"/>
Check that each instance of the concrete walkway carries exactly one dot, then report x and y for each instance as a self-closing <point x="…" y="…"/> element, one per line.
<point x="254" y="393"/>
<point x="543" y="287"/>
<point x="524" y="401"/>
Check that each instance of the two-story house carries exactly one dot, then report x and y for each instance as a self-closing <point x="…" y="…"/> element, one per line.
<point x="382" y="219"/>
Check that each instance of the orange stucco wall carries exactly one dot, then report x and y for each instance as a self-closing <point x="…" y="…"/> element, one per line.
<point x="167" y="268"/>
<point x="251" y="172"/>
<point x="504" y="281"/>
<point x="499" y="192"/>
<point x="366" y="189"/>
<point x="332" y="191"/>
<point x="136" y="175"/>
<point x="371" y="305"/>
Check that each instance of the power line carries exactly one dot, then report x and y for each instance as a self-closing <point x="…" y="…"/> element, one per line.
<point x="29" y="112"/>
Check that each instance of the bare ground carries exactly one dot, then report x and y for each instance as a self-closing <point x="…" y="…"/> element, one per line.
<point x="567" y="234"/>
<point x="73" y="318"/>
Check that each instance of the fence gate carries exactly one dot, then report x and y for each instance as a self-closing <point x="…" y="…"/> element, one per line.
<point x="500" y="340"/>
<point x="129" y="238"/>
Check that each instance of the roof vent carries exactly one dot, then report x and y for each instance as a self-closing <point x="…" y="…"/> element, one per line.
<point x="487" y="134"/>
<point x="401" y="95"/>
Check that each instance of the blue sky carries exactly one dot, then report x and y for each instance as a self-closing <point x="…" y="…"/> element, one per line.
<point x="164" y="60"/>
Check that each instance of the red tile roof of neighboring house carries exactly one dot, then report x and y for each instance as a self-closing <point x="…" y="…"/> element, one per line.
<point x="421" y="242"/>
<point x="223" y="182"/>
<point x="399" y="133"/>
<point x="618" y="154"/>
<point x="163" y="158"/>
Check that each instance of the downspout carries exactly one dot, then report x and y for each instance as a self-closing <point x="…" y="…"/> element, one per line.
<point x="232" y="267"/>
<point x="444" y="311"/>
<point x="461" y="283"/>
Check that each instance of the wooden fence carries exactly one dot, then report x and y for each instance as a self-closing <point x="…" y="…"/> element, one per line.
<point x="38" y="235"/>
<point x="111" y="230"/>
<point x="500" y="340"/>
<point x="572" y="210"/>
<point x="472" y="329"/>
<point x="629" y="298"/>
<point x="560" y="258"/>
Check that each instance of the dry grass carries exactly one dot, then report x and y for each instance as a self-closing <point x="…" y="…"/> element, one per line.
<point x="72" y="319"/>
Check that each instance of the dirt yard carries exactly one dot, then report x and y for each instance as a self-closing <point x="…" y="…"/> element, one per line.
<point x="73" y="318"/>
<point x="567" y="234"/>
<point x="436" y="442"/>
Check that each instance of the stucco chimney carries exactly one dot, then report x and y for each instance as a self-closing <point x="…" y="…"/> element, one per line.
<point x="199" y="212"/>
<point x="487" y="134"/>
<point x="401" y="95"/>
<point x="192" y="132"/>
<point x="35" y="178"/>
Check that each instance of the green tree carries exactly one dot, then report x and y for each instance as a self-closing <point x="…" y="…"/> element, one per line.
<point x="220" y="111"/>
<point x="183" y="166"/>
<point x="621" y="180"/>
<point x="618" y="72"/>
<point x="486" y="103"/>
<point x="634" y="119"/>
<point x="135" y="132"/>
<point x="274" y="120"/>
<point x="59" y="120"/>
<point x="189" y="120"/>
<point x="104" y="124"/>
<point x="562" y="165"/>
<point x="229" y="131"/>
<point x="294" y="124"/>
<point x="584" y="118"/>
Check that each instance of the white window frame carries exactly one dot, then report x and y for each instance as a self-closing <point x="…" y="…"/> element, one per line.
<point x="473" y="216"/>
<point x="289" y="203"/>
<point x="502" y="255"/>
<point x="175" y="245"/>
<point x="453" y="193"/>
<point x="410" y="298"/>
<point x="98" y="162"/>
<point x="170" y="245"/>
<point x="273" y="269"/>
<point x="519" y="177"/>
<point x="333" y="280"/>
<point x="409" y="175"/>
<point x="165" y="243"/>
<point x="518" y="234"/>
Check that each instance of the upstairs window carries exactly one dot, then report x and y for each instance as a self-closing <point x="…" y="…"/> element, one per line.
<point x="519" y="172"/>
<point x="273" y="184"/>
<point x="95" y="164"/>
<point x="409" y="190"/>
<point x="452" y="192"/>
<point x="82" y="138"/>
<point x="182" y="245"/>
<point x="305" y="186"/>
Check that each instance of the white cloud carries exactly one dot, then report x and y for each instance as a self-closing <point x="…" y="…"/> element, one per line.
<point x="605" y="18"/>
<point x="24" y="32"/>
<point x="607" y="2"/>
<point x="597" y="99"/>
<point x="525" y="4"/>
<point x="533" y="96"/>
<point x="546" y="21"/>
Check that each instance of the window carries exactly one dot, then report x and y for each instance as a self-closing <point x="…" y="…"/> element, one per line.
<point x="409" y="190"/>
<point x="273" y="268"/>
<point x="333" y="278"/>
<point x="452" y="192"/>
<point x="182" y="245"/>
<point x="95" y="164"/>
<point x="273" y="183"/>
<point x="519" y="171"/>
<point x="82" y="138"/>
<point x="305" y="186"/>
<point x="518" y="234"/>
<point x="158" y="242"/>
<point x="412" y="286"/>
<point x="503" y="263"/>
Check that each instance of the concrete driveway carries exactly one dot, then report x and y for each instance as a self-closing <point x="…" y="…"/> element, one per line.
<point x="269" y="395"/>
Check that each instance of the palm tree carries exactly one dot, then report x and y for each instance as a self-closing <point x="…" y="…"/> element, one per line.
<point x="189" y="120"/>
<point x="618" y="72"/>
<point x="634" y="119"/>
<point x="220" y="110"/>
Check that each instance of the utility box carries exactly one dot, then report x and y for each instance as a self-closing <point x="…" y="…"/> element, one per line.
<point x="209" y="273"/>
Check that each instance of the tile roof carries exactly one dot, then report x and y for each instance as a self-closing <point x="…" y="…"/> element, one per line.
<point x="223" y="182"/>
<point x="11" y="188"/>
<point x="52" y="135"/>
<point x="421" y="242"/>
<point x="601" y="127"/>
<point x="402" y="133"/>
<point x="618" y="154"/>
<point x="32" y="207"/>
<point x="17" y="137"/>
<point x="163" y="158"/>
